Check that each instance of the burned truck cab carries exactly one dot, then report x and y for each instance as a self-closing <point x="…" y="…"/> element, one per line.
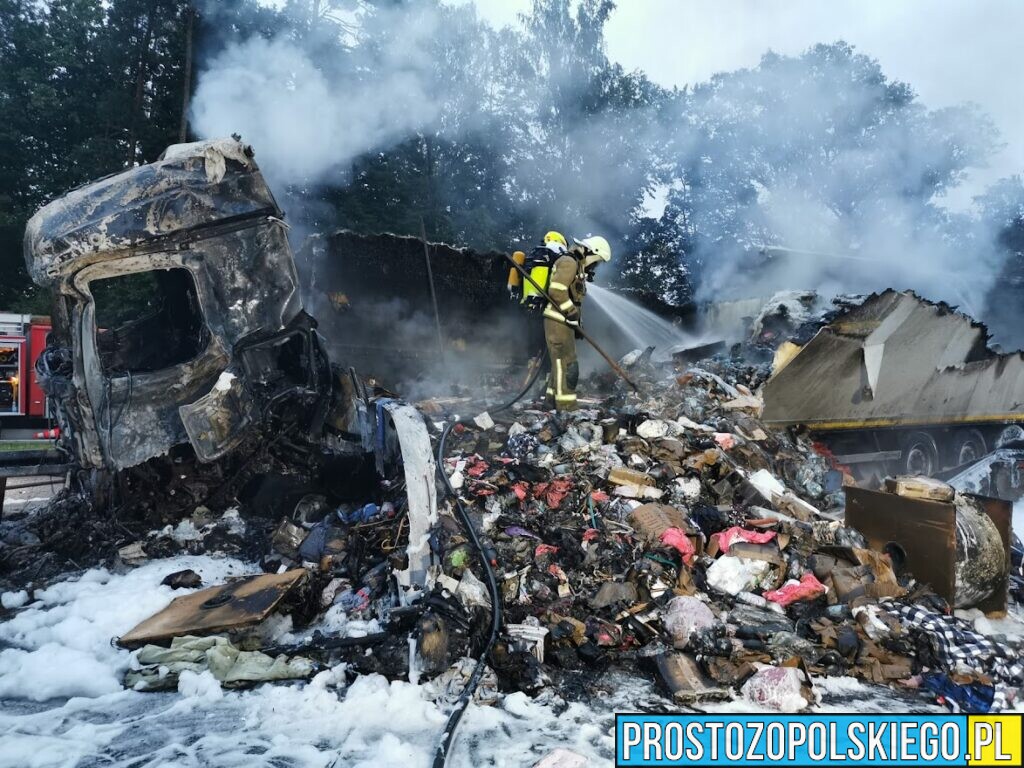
<point x="165" y="275"/>
<point x="183" y="370"/>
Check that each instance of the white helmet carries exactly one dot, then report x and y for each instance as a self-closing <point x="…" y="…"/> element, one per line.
<point x="597" y="249"/>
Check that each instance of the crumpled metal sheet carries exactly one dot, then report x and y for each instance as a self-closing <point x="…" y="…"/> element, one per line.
<point x="420" y="471"/>
<point x="216" y="422"/>
<point x="897" y="360"/>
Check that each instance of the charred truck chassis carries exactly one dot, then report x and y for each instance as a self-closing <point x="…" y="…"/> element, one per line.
<point x="925" y="450"/>
<point x="182" y="366"/>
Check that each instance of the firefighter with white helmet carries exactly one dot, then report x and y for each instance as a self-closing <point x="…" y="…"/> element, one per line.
<point x="568" y="285"/>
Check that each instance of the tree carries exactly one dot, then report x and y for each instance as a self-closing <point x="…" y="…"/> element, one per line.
<point x="820" y="153"/>
<point x="512" y="133"/>
<point x="1002" y="227"/>
<point x="87" y="88"/>
<point x="49" y="82"/>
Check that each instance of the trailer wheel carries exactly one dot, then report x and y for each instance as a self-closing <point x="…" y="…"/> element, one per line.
<point x="920" y="455"/>
<point x="969" y="447"/>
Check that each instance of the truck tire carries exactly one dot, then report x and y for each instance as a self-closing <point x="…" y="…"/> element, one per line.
<point x="920" y="455"/>
<point x="968" y="447"/>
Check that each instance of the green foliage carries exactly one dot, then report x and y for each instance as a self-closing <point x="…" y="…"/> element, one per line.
<point x="124" y="298"/>
<point x="87" y="88"/>
<point x="1003" y="206"/>
<point x="538" y="130"/>
<point x="524" y="119"/>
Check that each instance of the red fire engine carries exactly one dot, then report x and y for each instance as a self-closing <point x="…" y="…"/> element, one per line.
<point x="22" y="340"/>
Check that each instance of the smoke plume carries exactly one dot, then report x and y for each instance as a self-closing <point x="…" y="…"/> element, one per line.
<point x="807" y="172"/>
<point x="815" y="172"/>
<point x="308" y="117"/>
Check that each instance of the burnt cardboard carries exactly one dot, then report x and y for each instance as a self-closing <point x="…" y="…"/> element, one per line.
<point x="652" y="520"/>
<point x="236" y="605"/>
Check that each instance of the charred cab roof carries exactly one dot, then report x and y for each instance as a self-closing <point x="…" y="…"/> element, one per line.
<point x="192" y="186"/>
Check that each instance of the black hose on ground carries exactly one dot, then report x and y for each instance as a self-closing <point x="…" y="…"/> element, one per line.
<point x="540" y="366"/>
<point x="448" y="737"/>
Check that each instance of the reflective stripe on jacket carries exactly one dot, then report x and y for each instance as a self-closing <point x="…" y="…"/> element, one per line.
<point x="567" y="288"/>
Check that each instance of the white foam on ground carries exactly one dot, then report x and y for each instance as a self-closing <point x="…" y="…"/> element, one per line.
<point x="33" y="500"/>
<point x="14" y="599"/>
<point x="199" y="685"/>
<point x="63" y="704"/>
<point x="60" y="645"/>
<point x="63" y="650"/>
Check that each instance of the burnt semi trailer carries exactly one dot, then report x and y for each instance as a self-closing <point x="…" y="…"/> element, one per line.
<point x="374" y="298"/>
<point x="901" y="385"/>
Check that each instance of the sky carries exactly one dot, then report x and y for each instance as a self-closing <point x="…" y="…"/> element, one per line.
<point x="950" y="51"/>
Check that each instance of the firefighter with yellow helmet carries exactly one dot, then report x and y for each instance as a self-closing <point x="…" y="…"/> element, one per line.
<point x="538" y="266"/>
<point x="568" y="285"/>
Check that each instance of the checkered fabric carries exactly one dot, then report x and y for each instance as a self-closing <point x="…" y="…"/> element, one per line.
<point x="957" y="646"/>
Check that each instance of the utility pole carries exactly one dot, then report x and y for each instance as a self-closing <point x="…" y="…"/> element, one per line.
<point x="433" y="291"/>
<point x="186" y="86"/>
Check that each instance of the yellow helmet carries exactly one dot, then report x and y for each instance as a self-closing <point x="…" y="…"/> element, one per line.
<point x="555" y="237"/>
<point x="597" y="249"/>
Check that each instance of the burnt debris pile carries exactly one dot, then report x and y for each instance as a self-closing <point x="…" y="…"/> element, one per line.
<point x="689" y="530"/>
<point x="677" y="534"/>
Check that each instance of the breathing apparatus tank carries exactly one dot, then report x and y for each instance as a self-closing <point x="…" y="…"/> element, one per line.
<point x="538" y="265"/>
<point x="515" y="280"/>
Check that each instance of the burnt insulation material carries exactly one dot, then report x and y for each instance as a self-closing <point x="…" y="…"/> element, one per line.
<point x="981" y="563"/>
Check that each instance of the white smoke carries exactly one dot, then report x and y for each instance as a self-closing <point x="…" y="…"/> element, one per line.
<point x="307" y="117"/>
<point x="820" y="175"/>
<point x="777" y="156"/>
<point x="424" y="68"/>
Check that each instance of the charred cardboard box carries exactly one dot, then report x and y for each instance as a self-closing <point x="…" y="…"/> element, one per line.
<point x="652" y="520"/>
<point x="948" y="545"/>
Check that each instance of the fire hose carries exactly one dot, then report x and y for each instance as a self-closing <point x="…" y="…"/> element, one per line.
<point x="488" y="558"/>
<point x="578" y="328"/>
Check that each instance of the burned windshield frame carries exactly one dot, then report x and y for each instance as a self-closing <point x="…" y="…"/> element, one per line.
<point x="147" y="321"/>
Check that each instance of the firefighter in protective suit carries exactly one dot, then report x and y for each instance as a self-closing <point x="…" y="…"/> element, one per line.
<point x="568" y="286"/>
<point x="538" y="264"/>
